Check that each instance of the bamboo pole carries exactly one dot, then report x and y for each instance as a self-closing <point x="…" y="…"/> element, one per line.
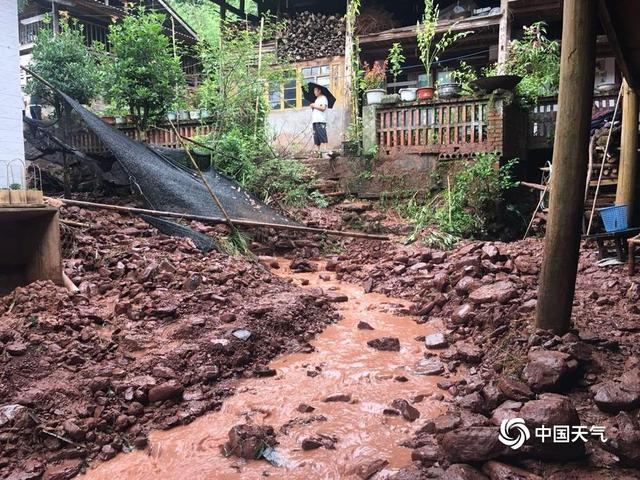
<point x="217" y="221"/>
<point x="625" y="192"/>
<point x="255" y="128"/>
<point x="575" y="101"/>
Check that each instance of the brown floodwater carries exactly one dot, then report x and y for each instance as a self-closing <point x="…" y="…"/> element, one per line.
<point x="345" y="364"/>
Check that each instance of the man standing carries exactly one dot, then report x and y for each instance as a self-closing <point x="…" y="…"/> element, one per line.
<point x="319" y="120"/>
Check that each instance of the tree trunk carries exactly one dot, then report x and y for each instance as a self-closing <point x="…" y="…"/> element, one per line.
<point x="625" y="193"/>
<point x="570" y="153"/>
<point x="66" y="176"/>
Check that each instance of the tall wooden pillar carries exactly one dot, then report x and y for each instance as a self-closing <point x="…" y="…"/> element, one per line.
<point x="569" y="169"/>
<point x="504" y="36"/>
<point x="348" y="94"/>
<point x="625" y="193"/>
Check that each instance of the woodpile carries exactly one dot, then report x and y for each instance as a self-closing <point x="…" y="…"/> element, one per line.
<point x="374" y="19"/>
<point x="312" y="35"/>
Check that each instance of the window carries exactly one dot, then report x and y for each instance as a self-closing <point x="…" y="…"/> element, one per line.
<point x="290" y="93"/>
<point x="319" y="75"/>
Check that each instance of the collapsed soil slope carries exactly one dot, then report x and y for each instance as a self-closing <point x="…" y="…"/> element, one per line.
<point x="150" y="341"/>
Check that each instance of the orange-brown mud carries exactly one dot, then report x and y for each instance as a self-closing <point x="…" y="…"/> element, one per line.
<point x="345" y="365"/>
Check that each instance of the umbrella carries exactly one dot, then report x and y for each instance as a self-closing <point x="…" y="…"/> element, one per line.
<point x="307" y="93"/>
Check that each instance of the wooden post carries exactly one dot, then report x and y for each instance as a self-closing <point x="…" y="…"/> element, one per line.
<point x="625" y="193"/>
<point x="504" y="36"/>
<point x="348" y="68"/>
<point x="570" y="152"/>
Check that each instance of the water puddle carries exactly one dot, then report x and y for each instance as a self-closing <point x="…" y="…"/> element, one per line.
<point x="342" y="363"/>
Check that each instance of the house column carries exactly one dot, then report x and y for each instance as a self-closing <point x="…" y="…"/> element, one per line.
<point x="504" y="36"/>
<point x="625" y="193"/>
<point x="348" y="68"/>
<point x="570" y="151"/>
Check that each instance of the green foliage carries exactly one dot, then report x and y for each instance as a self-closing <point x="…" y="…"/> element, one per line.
<point x="374" y="76"/>
<point x="65" y="62"/>
<point x="396" y="59"/>
<point x="464" y="75"/>
<point x="141" y="71"/>
<point x="428" y="47"/>
<point x="470" y="204"/>
<point x="536" y="59"/>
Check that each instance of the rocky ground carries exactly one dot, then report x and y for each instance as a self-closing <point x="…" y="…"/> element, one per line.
<point x="158" y="330"/>
<point x="485" y="293"/>
<point x="152" y="340"/>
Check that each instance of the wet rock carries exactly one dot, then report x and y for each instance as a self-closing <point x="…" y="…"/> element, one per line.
<point x="165" y="391"/>
<point x="500" y="292"/>
<point x="107" y="452"/>
<point x="311" y="443"/>
<point x="462" y="314"/>
<point x="613" y="397"/>
<point x="337" y="298"/>
<point x="475" y="444"/>
<point x="552" y="409"/>
<point x="264" y="372"/>
<point x="241" y="334"/>
<point x="140" y="442"/>
<point x="364" y="326"/>
<point x="466" y="284"/>
<point x="623" y="434"/>
<point x="16" y="349"/>
<point x="547" y="370"/>
<point x="321" y="440"/>
<point x="385" y="344"/>
<point x="408" y="412"/>
<point x="15" y="415"/>
<point x="248" y="441"/>
<point x="436" y="340"/>
<point x="304" y="408"/>
<point x="367" y="285"/>
<point x="301" y="265"/>
<point x="514" y="389"/>
<point x="62" y="471"/>
<point x="368" y="469"/>
<point x="468" y="352"/>
<point x="526" y="264"/>
<point x="413" y="471"/>
<point x="73" y="431"/>
<point x="490" y="251"/>
<point x="506" y="411"/>
<point x="427" y="455"/>
<point x="502" y="471"/>
<point x="472" y="402"/>
<point x="429" y="366"/>
<point x="338" y="397"/>
<point x="492" y="395"/>
<point x="460" y="471"/>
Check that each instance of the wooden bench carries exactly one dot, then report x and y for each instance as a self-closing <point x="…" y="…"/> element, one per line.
<point x="631" y="243"/>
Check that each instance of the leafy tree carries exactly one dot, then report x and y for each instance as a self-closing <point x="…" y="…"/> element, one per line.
<point x="65" y="62"/>
<point x="141" y="71"/>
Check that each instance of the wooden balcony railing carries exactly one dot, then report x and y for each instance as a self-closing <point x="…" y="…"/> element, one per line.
<point x="161" y="135"/>
<point x="542" y="119"/>
<point x="450" y="128"/>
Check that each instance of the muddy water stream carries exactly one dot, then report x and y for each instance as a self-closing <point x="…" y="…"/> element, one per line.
<point x="345" y="364"/>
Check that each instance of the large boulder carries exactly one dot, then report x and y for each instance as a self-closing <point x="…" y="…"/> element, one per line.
<point x="623" y="438"/>
<point x="474" y="444"/>
<point x="502" y="471"/>
<point x="613" y="397"/>
<point x="385" y="344"/>
<point x="459" y="471"/>
<point x="248" y="441"/>
<point x="501" y="292"/>
<point x="548" y="370"/>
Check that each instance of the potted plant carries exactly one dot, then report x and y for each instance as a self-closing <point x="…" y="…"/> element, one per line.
<point x="373" y="80"/>
<point x="430" y="49"/>
<point x="395" y="59"/>
<point x="464" y="75"/>
<point x="108" y="115"/>
<point x="17" y="194"/>
<point x="448" y="87"/>
<point x="130" y="119"/>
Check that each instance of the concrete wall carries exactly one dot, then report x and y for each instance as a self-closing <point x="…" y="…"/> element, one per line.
<point x="291" y="131"/>
<point x="11" y="103"/>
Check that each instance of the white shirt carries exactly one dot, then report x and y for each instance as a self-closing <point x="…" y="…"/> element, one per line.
<point x="318" y="116"/>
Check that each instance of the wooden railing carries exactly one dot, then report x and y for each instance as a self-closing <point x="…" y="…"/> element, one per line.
<point x="542" y="119"/>
<point x="455" y="127"/>
<point x="161" y="135"/>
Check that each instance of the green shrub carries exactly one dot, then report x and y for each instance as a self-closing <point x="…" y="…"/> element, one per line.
<point x="285" y="181"/>
<point x="473" y="206"/>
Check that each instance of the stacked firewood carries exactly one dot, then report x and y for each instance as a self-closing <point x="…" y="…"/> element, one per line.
<point x="312" y="35"/>
<point x="610" y="167"/>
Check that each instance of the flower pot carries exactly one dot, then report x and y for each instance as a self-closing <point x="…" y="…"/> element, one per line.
<point x="391" y="99"/>
<point x="34" y="196"/>
<point x="408" y="94"/>
<point x="424" y="80"/>
<point x="5" y="196"/>
<point x="425" y="93"/>
<point x="110" y="119"/>
<point x="119" y="120"/>
<point x="374" y="96"/>
<point x="183" y="115"/>
<point x="194" y="114"/>
<point x="172" y="116"/>
<point x="449" y="90"/>
<point x="18" y="196"/>
<point x="130" y="119"/>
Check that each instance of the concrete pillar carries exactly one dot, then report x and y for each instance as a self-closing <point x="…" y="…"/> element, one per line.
<point x="570" y="151"/>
